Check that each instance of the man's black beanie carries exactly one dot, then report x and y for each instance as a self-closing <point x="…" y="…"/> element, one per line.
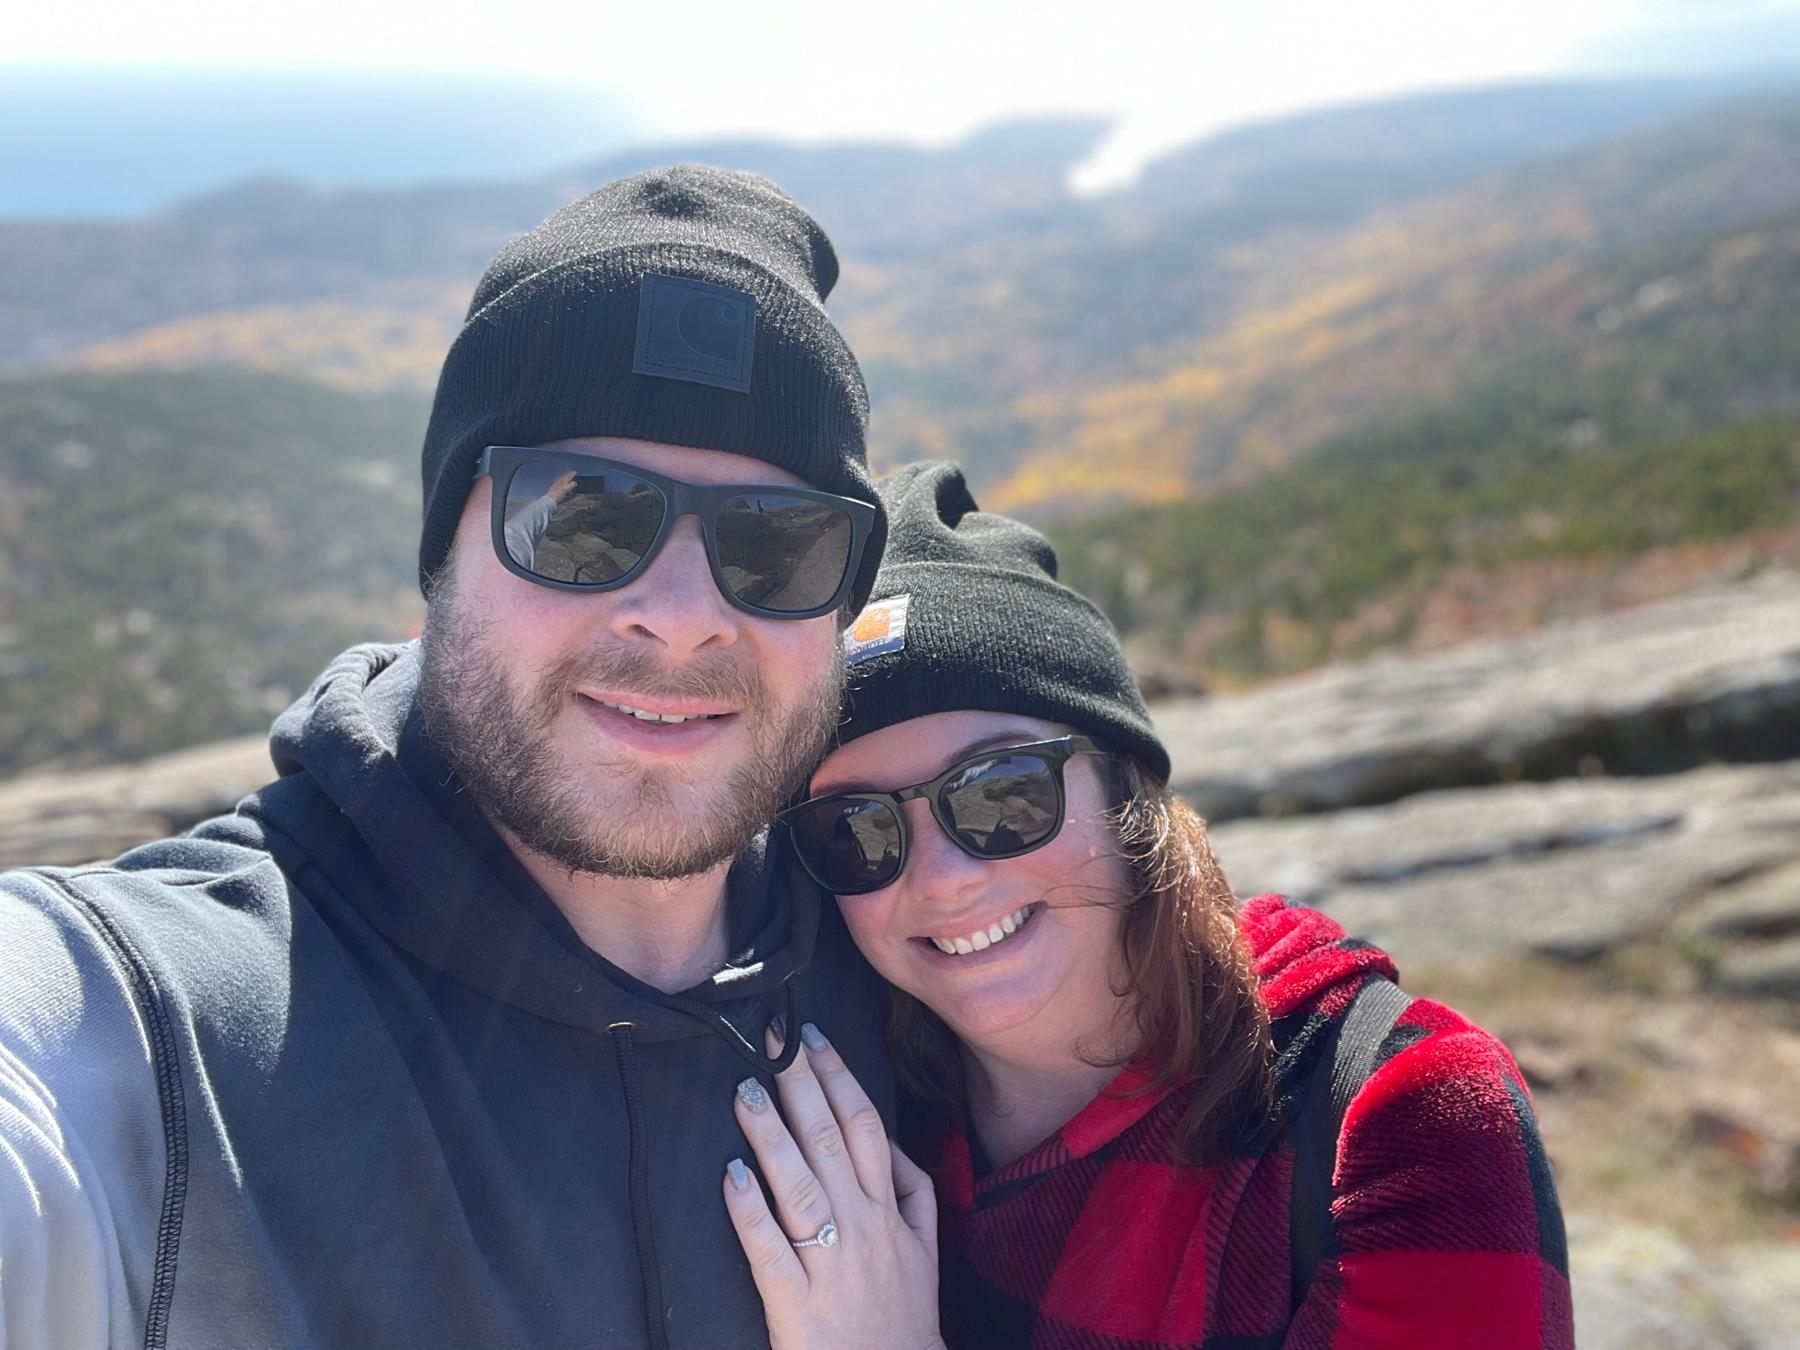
<point x="553" y="346"/>
<point x="984" y="625"/>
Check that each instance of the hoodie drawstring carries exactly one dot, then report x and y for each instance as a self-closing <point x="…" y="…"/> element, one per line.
<point x="649" y="1273"/>
<point x="722" y="1026"/>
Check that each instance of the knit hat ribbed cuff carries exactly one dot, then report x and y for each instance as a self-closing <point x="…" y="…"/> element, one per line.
<point x="549" y="348"/>
<point x="998" y="639"/>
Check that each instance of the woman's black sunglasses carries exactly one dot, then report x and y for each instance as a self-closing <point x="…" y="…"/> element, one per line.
<point x="997" y="804"/>
<point x="580" y="523"/>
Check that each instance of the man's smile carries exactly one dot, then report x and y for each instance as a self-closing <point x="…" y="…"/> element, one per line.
<point x="653" y="708"/>
<point x="655" y="729"/>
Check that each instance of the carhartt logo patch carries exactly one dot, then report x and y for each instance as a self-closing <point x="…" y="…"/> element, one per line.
<point x="695" y="331"/>
<point x="878" y="630"/>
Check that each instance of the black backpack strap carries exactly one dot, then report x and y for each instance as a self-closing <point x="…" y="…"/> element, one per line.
<point x="1343" y="1066"/>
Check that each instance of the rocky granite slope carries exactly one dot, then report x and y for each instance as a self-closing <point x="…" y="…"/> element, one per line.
<point x="1589" y="838"/>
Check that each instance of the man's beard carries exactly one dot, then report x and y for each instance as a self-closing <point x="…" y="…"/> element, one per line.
<point x="501" y="743"/>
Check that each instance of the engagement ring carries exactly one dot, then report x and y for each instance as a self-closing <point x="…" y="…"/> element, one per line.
<point x="825" y="1237"/>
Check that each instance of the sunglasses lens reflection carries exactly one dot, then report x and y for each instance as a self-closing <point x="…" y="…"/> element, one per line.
<point x="997" y="807"/>
<point x="778" y="552"/>
<point x="586" y="528"/>
<point x="783" y="553"/>
<point x="1003" y="806"/>
<point x="848" y="844"/>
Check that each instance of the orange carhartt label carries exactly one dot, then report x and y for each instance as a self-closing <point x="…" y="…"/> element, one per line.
<point x="879" y="629"/>
<point x="871" y="624"/>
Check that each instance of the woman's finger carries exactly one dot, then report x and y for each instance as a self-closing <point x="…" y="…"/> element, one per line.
<point x="857" y="1119"/>
<point x="800" y="1201"/>
<point x="916" y="1199"/>
<point x="815" y="1128"/>
<point x="774" y="1264"/>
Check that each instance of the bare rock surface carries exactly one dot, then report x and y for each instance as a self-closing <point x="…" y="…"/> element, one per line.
<point x="1771" y="970"/>
<point x="79" y="817"/>
<point x="1710" y="675"/>
<point x="1641" y="1288"/>
<point x="1450" y="807"/>
<point x="1765" y="905"/>
<point x="1568" y="869"/>
<point x="1765" y="1282"/>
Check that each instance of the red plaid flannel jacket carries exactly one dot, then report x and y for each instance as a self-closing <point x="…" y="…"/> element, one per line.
<point x="1445" y="1227"/>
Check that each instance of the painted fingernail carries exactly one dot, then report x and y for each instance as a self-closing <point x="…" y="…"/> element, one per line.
<point x="739" y="1174"/>
<point x="814" y="1038"/>
<point x="778" y="1025"/>
<point x="751" y="1094"/>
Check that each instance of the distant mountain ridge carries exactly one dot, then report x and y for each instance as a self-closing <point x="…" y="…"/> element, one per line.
<point x="1520" y="359"/>
<point x="67" y="284"/>
<point x="1297" y="336"/>
<point x="1385" y="151"/>
<point x="1136" y="346"/>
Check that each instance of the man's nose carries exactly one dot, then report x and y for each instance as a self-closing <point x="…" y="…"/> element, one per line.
<point x="676" y="603"/>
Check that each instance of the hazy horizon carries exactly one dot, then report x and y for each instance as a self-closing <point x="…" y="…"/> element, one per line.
<point x="117" y="112"/>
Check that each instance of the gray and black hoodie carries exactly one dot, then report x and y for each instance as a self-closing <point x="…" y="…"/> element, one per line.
<point x="332" y="1071"/>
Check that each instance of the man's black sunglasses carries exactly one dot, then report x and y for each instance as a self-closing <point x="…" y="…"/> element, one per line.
<point x="996" y="804"/>
<point x="580" y="523"/>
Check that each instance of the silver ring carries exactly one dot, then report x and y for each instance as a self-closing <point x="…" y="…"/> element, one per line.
<point x="825" y="1237"/>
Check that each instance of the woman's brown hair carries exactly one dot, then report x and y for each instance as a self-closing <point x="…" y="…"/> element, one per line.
<point x="1200" y="1018"/>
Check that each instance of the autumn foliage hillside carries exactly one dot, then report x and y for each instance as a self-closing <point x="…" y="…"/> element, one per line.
<point x="1388" y="375"/>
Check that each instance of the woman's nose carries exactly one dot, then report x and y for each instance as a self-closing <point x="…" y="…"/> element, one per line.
<point x="940" y="872"/>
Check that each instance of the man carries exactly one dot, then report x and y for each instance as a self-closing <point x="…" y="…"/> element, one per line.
<point x="433" y="1041"/>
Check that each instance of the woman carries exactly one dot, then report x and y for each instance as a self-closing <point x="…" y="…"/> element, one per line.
<point x="1152" y="1116"/>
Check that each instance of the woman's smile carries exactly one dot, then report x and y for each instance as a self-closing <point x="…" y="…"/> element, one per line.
<point x="1020" y="948"/>
<point x="981" y="939"/>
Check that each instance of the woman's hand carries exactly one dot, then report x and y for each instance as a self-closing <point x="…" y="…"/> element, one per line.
<point x="871" y="1281"/>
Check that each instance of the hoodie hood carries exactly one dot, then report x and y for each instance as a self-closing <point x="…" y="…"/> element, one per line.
<point x="366" y="800"/>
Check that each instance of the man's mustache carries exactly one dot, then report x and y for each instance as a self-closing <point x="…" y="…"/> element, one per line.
<point x="624" y="670"/>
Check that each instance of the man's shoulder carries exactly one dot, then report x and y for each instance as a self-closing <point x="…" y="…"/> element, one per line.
<point x="228" y="846"/>
<point x="68" y="1005"/>
<point x="111" y="973"/>
<point x="65" y="926"/>
<point x="81" y="1123"/>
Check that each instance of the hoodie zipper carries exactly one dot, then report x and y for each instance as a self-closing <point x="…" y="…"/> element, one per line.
<point x="649" y="1272"/>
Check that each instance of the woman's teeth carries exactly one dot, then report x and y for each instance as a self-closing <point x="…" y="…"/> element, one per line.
<point x="983" y="938"/>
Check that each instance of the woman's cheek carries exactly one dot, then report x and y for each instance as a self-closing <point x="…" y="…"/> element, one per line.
<point x="868" y="929"/>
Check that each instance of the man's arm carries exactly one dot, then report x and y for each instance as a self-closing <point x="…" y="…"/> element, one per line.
<point x="527" y="525"/>
<point x="1447" y="1223"/>
<point x="82" y="1152"/>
